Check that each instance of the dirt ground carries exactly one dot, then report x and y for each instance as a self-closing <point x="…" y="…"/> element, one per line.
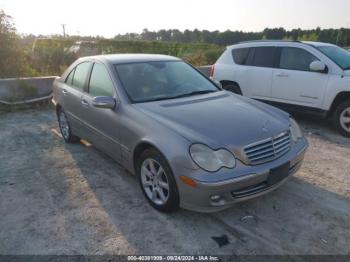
<point x="72" y="199"/>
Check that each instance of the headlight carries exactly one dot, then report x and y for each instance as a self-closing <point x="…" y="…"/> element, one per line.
<point x="211" y="160"/>
<point x="295" y="130"/>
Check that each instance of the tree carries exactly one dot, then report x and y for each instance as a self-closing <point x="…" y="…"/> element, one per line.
<point x="274" y="33"/>
<point x="10" y="52"/>
<point x="148" y="35"/>
<point x="340" y="36"/>
<point x="165" y="35"/>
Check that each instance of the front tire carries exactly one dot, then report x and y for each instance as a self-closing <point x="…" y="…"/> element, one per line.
<point x="157" y="181"/>
<point x="341" y="118"/>
<point x="65" y="127"/>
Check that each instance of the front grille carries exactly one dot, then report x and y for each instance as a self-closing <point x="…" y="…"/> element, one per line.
<point x="268" y="149"/>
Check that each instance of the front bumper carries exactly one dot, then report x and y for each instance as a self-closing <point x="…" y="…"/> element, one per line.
<point x="250" y="185"/>
<point x="53" y="101"/>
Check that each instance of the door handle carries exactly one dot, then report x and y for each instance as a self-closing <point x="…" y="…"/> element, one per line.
<point x="64" y="92"/>
<point x="84" y="103"/>
<point x="282" y="74"/>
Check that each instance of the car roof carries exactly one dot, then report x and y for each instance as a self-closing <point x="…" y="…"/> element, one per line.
<point x="256" y="43"/>
<point x="132" y="58"/>
<point x="317" y="43"/>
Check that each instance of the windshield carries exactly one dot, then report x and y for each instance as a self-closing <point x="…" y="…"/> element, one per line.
<point x="151" y="81"/>
<point x="339" y="55"/>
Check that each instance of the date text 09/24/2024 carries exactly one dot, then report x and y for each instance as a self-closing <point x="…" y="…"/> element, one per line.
<point x="173" y="258"/>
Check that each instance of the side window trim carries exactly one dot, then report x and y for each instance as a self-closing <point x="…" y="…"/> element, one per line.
<point x="87" y="91"/>
<point x="71" y="72"/>
<point x="250" y="57"/>
<point x="87" y="81"/>
<point x="278" y="53"/>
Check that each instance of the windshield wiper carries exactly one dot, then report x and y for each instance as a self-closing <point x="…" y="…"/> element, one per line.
<point x="195" y="93"/>
<point x="178" y="96"/>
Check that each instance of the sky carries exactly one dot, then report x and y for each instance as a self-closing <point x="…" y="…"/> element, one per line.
<point x="111" y="17"/>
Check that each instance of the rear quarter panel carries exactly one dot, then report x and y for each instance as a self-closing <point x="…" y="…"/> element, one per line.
<point x="224" y="67"/>
<point x="57" y="91"/>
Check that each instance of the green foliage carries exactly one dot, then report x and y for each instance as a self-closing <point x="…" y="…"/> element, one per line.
<point x="336" y="36"/>
<point x="50" y="56"/>
<point x="10" y="53"/>
<point x="197" y="53"/>
<point x="274" y="33"/>
<point x="14" y="57"/>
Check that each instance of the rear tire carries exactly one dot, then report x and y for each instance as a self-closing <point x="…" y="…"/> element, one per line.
<point x="341" y="118"/>
<point x="157" y="181"/>
<point x="234" y="88"/>
<point x="65" y="127"/>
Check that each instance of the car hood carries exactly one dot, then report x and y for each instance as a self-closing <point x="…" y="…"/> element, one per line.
<point x="218" y="120"/>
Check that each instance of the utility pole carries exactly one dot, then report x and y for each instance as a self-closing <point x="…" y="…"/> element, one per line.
<point x="64" y="30"/>
<point x="336" y="42"/>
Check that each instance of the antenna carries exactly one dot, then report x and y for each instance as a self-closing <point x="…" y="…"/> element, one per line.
<point x="64" y="29"/>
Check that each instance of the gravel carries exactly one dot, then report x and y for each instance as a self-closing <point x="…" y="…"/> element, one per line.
<point x="57" y="198"/>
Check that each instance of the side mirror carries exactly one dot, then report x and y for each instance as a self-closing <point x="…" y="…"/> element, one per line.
<point x="318" y="66"/>
<point x="104" y="102"/>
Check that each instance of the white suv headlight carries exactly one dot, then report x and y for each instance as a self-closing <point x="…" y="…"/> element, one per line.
<point x="211" y="160"/>
<point x="295" y="130"/>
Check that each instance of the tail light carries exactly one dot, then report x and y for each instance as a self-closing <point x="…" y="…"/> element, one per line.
<point x="212" y="68"/>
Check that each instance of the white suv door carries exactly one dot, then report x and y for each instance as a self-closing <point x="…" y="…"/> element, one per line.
<point x="254" y="73"/>
<point x="294" y="83"/>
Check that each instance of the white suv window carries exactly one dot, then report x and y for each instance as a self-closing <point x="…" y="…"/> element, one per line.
<point x="293" y="58"/>
<point x="262" y="56"/>
<point x="240" y="55"/>
<point x="255" y="56"/>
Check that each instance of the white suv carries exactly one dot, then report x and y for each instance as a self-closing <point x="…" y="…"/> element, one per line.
<point x="310" y="77"/>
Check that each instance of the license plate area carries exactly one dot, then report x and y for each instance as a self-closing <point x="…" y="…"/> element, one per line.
<point x="278" y="174"/>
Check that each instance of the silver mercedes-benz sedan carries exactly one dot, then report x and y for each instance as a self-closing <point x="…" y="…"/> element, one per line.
<point x="190" y="143"/>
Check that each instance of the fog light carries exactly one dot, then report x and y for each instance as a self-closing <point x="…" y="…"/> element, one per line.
<point x="215" y="198"/>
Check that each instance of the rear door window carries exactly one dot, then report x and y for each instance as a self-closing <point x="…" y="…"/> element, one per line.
<point x="80" y="75"/>
<point x="262" y="56"/>
<point x="293" y="58"/>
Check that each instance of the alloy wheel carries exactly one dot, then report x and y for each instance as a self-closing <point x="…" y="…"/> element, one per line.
<point x="345" y="119"/>
<point x="64" y="126"/>
<point x="154" y="181"/>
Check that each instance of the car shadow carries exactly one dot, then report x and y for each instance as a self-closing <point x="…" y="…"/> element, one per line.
<point x="298" y="218"/>
<point x="322" y="128"/>
<point x="60" y="198"/>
